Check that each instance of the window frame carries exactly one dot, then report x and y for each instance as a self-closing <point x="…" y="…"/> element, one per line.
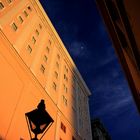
<point x="56" y="74"/>
<point x="14" y="26"/>
<point x="40" y="26"/>
<point x="47" y="49"/>
<point x="54" y="86"/>
<point x="57" y="64"/>
<point x="42" y="68"/>
<point x="50" y="42"/>
<point x="63" y="127"/>
<point x="37" y="32"/>
<point x="58" y="56"/>
<point x="29" y="49"/>
<point x="65" y="101"/>
<point x="1" y="6"/>
<point x="9" y="1"/>
<point x="25" y="13"/>
<point x="45" y="58"/>
<point x="20" y="19"/>
<point x="29" y="8"/>
<point x="33" y="40"/>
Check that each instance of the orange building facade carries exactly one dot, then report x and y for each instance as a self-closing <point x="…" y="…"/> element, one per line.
<point x="122" y="20"/>
<point x="35" y="65"/>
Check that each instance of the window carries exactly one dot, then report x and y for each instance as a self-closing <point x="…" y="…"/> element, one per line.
<point x="57" y="64"/>
<point x="63" y="127"/>
<point x="65" y="77"/>
<point x="1" y="6"/>
<point x="58" y="56"/>
<point x="33" y="40"/>
<point x="80" y="123"/>
<point x="74" y="89"/>
<point x="54" y="86"/>
<point x="50" y="42"/>
<point x="14" y="26"/>
<point x="134" y="51"/>
<point x="9" y="1"/>
<point x="37" y="32"/>
<point x="40" y="26"/>
<point x="25" y="13"/>
<point x="20" y="19"/>
<point x="66" y="69"/>
<point x="65" y="88"/>
<point x="29" y="8"/>
<point x="56" y="74"/>
<point x="74" y="110"/>
<point x="45" y="58"/>
<point x="60" y="138"/>
<point x="74" y="82"/>
<point x="29" y="49"/>
<point x="64" y="100"/>
<point x="47" y="48"/>
<point x="42" y="69"/>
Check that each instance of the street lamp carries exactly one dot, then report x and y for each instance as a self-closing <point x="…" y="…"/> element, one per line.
<point x="38" y="120"/>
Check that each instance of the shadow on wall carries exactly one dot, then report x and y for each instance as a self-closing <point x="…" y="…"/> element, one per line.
<point x="1" y="138"/>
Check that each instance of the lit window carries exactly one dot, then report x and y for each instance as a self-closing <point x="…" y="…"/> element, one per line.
<point x="9" y="1"/>
<point x="20" y="19"/>
<point x="14" y="26"/>
<point x="29" y="8"/>
<point x="1" y="6"/>
<point x="47" y="48"/>
<point x="33" y="40"/>
<point x="25" y="13"/>
<point x="45" y="58"/>
<point x="37" y="32"/>
<point x="56" y="74"/>
<point x="40" y="26"/>
<point x="42" y="69"/>
<point x="54" y="86"/>
<point x="63" y="127"/>
<point x="29" y="49"/>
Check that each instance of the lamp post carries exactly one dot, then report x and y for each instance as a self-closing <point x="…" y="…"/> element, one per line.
<point x="38" y="121"/>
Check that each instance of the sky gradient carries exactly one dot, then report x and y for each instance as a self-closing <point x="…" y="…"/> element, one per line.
<point x="83" y="33"/>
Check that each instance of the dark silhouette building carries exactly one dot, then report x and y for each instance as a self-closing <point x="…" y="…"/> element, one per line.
<point x="122" y="20"/>
<point x="98" y="130"/>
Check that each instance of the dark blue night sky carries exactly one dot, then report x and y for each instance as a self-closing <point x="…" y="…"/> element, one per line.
<point x="82" y="30"/>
